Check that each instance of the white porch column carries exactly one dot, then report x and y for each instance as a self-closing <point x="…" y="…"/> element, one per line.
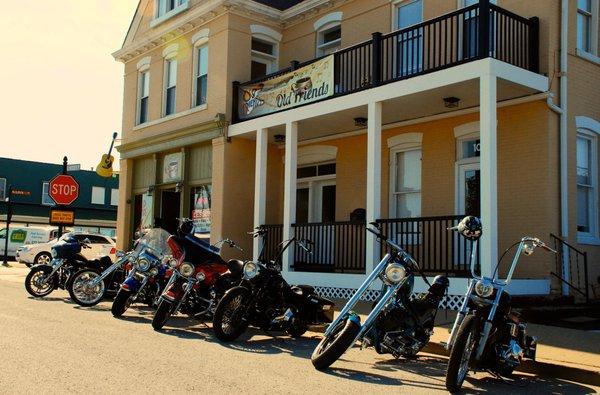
<point x="373" y="181"/>
<point x="489" y="176"/>
<point x="260" y="186"/>
<point x="289" y="189"/>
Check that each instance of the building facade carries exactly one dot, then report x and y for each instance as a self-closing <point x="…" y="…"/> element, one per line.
<point x="95" y="208"/>
<point x="410" y="113"/>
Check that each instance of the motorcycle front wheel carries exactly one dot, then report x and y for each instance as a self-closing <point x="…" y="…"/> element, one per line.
<point x="162" y="314"/>
<point x="37" y="282"/>
<point x="83" y="292"/>
<point x="332" y="347"/>
<point x="228" y="322"/>
<point x="121" y="303"/>
<point x="460" y="355"/>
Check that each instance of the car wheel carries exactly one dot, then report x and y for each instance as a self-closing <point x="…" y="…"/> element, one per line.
<point x="43" y="258"/>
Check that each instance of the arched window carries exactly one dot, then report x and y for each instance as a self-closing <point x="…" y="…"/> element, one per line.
<point x="587" y="180"/>
<point x="200" y="73"/>
<point x="265" y="51"/>
<point x="329" y="33"/>
<point x="143" y="90"/>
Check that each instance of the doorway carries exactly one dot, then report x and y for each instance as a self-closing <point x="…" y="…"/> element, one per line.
<point x="315" y="201"/>
<point x="469" y="202"/>
<point x="170" y="208"/>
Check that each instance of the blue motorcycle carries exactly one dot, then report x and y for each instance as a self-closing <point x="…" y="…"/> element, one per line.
<point x="397" y="324"/>
<point x="149" y="272"/>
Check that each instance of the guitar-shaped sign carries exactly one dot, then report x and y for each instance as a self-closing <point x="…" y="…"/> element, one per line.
<point x="104" y="168"/>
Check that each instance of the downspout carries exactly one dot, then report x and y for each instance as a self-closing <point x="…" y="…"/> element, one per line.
<point x="562" y="111"/>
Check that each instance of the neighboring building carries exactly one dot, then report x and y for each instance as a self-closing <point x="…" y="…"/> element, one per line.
<point x="443" y="114"/>
<point x="95" y="208"/>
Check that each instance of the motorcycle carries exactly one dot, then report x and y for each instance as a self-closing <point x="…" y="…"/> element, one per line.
<point x="66" y="260"/>
<point x="149" y="272"/>
<point x="487" y="334"/>
<point x="199" y="279"/>
<point x="396" y="324"/>
<point x="265" y="300"/>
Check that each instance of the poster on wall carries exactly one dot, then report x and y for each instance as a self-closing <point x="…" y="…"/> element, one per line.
<point x="172" y="167"/>
<point x="201" y="201"/>
<point x="305" y="85"/>
<point x="147" y="211"/>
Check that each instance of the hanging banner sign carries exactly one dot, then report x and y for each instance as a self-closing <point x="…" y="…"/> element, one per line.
<point x="305" y="85"/>
<point x="147" y="210"/>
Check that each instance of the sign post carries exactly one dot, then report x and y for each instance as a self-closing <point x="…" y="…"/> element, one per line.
<point x="8" y="219"/>
<point x="64" y="190"/>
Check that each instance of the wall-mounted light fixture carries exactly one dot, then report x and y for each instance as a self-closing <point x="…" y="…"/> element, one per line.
<point x="451" y="102"/>
<point x="279" y="138"/>
<point x="150" y="190"/>
<point x="360" y="121"/>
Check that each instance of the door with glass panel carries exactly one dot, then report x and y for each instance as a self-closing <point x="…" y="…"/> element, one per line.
<point x="410" y="43"/>
<point x="405" y="199"/>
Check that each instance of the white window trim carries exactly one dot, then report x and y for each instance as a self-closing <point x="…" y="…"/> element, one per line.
<point x="140" y="89"/>
<point x="114" y="202"/>
<point x="591" y="55"/>
<point x="199" y="40"/>
<point x="400" y="3"/>
<point x="160" y="19"/>
<point x="401" y="143"/>
<point x="48" y="193"/>
<point x="271" y="36"/>
<point x="170" y="57"/>
<point x="103" y="195"/>
<point x="590" y="128"/>
<point x="316" y="154"/>
<point x="323" y="24"/>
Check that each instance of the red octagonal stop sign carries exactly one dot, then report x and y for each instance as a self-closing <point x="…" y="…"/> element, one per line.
<point x="63" y="189"/>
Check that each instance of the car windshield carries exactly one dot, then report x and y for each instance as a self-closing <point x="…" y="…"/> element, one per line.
<point x="156" y="239"/>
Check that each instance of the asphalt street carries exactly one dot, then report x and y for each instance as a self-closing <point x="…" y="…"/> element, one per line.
<point x="51" y="345"/>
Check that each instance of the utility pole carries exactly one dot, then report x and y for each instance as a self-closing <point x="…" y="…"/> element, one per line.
<point x="8" y="219"/>
<point x="64" y="171"/>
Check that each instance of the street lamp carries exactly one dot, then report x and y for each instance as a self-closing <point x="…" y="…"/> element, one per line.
<point x="8" y="218"/>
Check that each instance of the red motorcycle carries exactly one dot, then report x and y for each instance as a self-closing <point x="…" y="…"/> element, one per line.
<point x="200" y="276"/>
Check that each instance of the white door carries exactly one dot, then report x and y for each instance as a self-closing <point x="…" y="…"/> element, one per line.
<point x="468" y="189"/>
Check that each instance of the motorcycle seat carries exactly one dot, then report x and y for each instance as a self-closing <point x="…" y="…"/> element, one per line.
<point x="104" y="261"/>
<point x="303" y="289"/>
<point x="235" y="266"/>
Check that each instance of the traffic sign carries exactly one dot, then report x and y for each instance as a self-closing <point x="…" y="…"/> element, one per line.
<point x="62" y="217"/>
<point x="63" y="189"/>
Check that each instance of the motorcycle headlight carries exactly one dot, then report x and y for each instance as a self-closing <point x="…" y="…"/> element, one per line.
<point x="53" y="253"/>
<point x="173" y="263"/>
<point x="484" y="288"/>
<point x="186" y="269"/>
<point x="250" y="270"/>
<point x="143" y="264"/>
<point x="153" y="271"/>
<point x="395" y="272"/>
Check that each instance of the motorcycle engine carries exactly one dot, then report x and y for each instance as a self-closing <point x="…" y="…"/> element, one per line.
<point x="510" y="355"/>
<point x="399" y="334"/>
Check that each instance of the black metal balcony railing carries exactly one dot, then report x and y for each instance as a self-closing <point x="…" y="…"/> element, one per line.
<point x="446" y="41"/>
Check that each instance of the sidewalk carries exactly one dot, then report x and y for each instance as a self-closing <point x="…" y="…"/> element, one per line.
<point x="568" y="354"/>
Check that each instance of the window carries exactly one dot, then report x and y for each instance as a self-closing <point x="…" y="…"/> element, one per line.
<point x="264" y="58"/>
<point x="114" y="197"/>
<point x="201" y="75"/>
<point x="98" y="195"/>
<point x="329" y="40"/>
<point x="166" y="8"/>
<point x="46" y="199"/>
<point x="410" y="43"/>
<point x="587" y="212"/>
<point x="584" y="25"/>
<point x="143" y="94"/>
<point x="200" y="204"/>
<point x="170" y="86"/>
<point x="406" y="183"/>
<point x="2" y="189"/>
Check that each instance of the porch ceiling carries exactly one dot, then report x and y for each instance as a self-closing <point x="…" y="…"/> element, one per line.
<point x="414" y="106"/>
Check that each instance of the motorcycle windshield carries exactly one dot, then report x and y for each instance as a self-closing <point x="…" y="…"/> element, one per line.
<point x="154" y="240"/>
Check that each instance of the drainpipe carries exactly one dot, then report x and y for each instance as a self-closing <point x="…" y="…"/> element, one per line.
<point x="562" y="111"/>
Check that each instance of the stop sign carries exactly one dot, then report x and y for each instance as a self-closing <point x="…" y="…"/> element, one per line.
<point x="63" y="189"/>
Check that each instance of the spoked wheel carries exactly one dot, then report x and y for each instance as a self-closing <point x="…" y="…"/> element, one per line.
<point x="83" y="291"/>
<point x="460" y="356"/>
<point x="43" y="258"/>
<point x="228" y="322"/>
<point x="37" y="282"/>
<point x="162" y="314"/>
<point x="331" y="347"/>
<point x="122" y="302"/>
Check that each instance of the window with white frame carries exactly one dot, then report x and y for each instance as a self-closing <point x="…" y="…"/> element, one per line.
<point x="46" y="199"/>
<point x="167" y="8"/>
<point x="98" y="195"/>
<point x="201" y="75"/>
<point x="2" y="189"/>
<point x="329" y="33"/>
<point x="405" y="183"/>
<point x="143" y="96"/>
<point x="170" y="86"/>
<point x="587" y="184"/>
<point x="587" y="32"/>
<point x="410" y="43"/>
<point x="114" y="197"/>
<point x="264" y="57"/>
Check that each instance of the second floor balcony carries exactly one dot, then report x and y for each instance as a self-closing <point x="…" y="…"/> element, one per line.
<point x="449" y="40"/>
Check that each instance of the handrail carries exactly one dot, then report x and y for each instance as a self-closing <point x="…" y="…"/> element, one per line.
<point x="567" y="244"/>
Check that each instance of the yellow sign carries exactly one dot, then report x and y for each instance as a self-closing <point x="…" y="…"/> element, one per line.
<point x="62" y="217"/>
<point x="305" y="85"/>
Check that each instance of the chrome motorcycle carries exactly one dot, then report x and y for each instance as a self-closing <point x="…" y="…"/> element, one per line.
<point x="487" y="334"/>
<point x="396" y="324"/>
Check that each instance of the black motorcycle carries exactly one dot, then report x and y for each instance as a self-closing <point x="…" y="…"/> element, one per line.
<point x="66" y="260"/>
<point x="265" y="300"/>
<point x="199" y="277"/>
<point x="148" y="274"/>
<point x="397" y="324"/>
<point x="487" y="334"/>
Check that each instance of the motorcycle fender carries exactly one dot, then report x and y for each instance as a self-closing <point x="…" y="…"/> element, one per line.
<point x="130" y="284"/>
<point x="173" y="292"/>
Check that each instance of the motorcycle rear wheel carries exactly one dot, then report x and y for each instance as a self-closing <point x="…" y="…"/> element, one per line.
<point x="37" y="284"/>
<point x="162" y="314"/>
<point x="121" y="302"/>
<point x="228" y="324"/>
<point x="332" y="347"/>
<point x="460" y="355"/>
